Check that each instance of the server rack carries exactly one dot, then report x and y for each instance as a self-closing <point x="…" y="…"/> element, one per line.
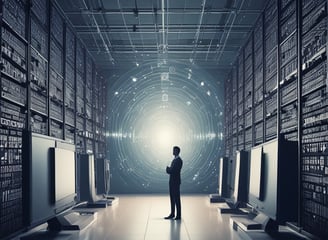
<point x="47" y="81"/>
<point x="290" y="98"/>
<point x="13" y="106"/>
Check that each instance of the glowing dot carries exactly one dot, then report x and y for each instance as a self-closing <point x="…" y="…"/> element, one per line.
<point x="134" y="79"/>
<point x="208" y="93"/>
<point x="137" y="64"/>
<point x="116" y="93"/>
<point x="202" y="83"/>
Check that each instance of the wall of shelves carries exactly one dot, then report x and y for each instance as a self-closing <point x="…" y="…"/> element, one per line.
<point x="290" y="100"/>
<point x="49" y="85"/>
<point x="314" y="165"/>
<point x="13" y="106"/>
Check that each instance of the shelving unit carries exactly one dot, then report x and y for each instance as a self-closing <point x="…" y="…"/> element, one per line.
<point x="314" y="165"/>
<point x="290" y="100"/>
<point x="50" y="86"/>
<point x="13" y="106"/>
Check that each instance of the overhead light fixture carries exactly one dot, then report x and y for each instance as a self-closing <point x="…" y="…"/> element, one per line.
<point x="135" y="10"/>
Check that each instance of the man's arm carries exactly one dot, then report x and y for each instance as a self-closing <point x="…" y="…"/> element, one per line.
<point x="175" y="167"/>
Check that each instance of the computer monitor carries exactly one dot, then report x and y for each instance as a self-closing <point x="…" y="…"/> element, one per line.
<point x="273" y="180"/>
<point x="223" y="178"/>
<point x="256" y="174"/>
<point x="63" y="181"/>
<point x="102" y="176"/>
<point x="51" y="178"/>
<point x="87" y="178"/>
<point x="241" y="180"/>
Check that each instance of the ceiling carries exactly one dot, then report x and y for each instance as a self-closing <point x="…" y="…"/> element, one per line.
<point x="122" y="34"/>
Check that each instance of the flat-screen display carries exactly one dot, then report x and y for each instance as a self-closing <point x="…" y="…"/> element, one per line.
<point x="263" y="178"/>
<point x="241" y="178"/>
<point x="220" y="176"/>
<point x="236" y="181"/>
<point x="274" y="192"/>
<point x="256" y="170"/>
<point x="223" y="177"/>
<point x="51" y="178"/>
<point x="64" y="167"/>
<point x="102" y="176"/>
<point x="87" y="179"/>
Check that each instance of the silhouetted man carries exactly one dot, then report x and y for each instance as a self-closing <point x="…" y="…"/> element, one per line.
<point x="174" y="183"/>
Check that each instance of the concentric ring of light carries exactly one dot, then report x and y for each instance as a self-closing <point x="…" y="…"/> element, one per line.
<point x="149" y="114"/>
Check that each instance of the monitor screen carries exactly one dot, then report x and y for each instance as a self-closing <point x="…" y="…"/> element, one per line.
<point x="241" y="178"/>
<point x="64" y="166"/>
<point x="220" y="176"/>
<point x="51" y="178"/>
<point x="223" y="177"/>
<point x="87" y="178"/>
<point x="255" y="174"/>
<point x="274" y="192"/>
<point x="236" y="181"/>
<point x="102" y="176"/>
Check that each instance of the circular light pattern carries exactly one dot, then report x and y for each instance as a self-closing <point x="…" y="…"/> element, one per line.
<point x="164" y="105"/>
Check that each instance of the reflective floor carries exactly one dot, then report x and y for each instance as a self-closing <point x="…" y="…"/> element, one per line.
<point x="142" y="217"/>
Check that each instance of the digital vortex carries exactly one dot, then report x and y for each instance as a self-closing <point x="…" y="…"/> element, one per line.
<point x="153" y="108"/>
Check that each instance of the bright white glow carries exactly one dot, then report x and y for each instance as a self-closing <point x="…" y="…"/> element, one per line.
<point x="163" y="137"/>
<point x="161" y="132"/>
<point x="137" y="64"/>
<point x="116" y="93"/>
<point x="134" y="79"/>
<point x="208" y="93"/>
<point x="202" y="83"/>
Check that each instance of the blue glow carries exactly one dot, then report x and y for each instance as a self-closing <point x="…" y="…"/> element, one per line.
<point x="165" y="107"/>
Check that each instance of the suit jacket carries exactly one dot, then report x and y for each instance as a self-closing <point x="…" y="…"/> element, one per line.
<point x="174" y="171"/>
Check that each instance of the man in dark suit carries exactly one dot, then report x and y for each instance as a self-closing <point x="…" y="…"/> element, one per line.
<point x="174" y="184"/>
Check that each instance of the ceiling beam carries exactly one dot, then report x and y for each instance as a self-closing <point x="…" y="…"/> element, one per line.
<point x="155" y="51"/>
<point x="147" y="11"/>
<point x="186" y="31"/>
<point x="179" y="28"/>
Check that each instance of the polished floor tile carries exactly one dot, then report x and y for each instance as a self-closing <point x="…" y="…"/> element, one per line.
<point x="142" y="217"/>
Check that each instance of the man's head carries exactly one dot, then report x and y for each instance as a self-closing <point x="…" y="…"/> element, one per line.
<point x="176" y="150"/>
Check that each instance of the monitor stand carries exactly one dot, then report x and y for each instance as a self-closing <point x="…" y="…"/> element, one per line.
<point x="216" y="198"/>
<point x="71" y="221"/>
<point x="111" y="199"/>
<point x="101" y="202"/>
<point x="238" y="208"/>
<point x="260" y="221"/>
